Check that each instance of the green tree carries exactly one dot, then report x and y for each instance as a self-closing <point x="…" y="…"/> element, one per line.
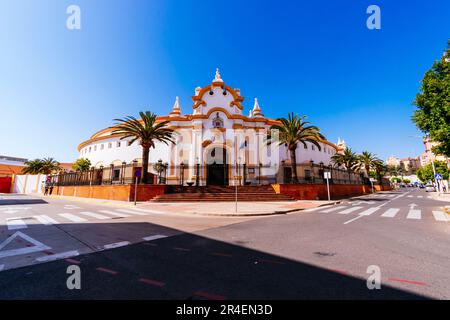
<point x="82" y="165"/>
<point x="147" y="130"/>
<point x="433" y="102"/>
<point x="348" y="159"/>
<point x="426" y="174"/>
<point x="292" y="131"/>
<point x="367" y="161"/>
<point x="41" y="166"/>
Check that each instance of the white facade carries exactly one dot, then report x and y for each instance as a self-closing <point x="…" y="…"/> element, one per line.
<point x="217" y="122"/>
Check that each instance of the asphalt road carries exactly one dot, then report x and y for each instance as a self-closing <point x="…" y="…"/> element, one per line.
<point x="321" y="253"/>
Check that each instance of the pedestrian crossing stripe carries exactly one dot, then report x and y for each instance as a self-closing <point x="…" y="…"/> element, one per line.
<point x="369" y="211"/>
<point x="72" y="217"/>
<point x="350" y="210"/>
<point x="390" y="213"/>
<point x="414" y="214"/>
<point x="440" y="216"/>
<point x="333" y="209"/>
<point x="116" y="214"/>
<point x="45" y="220"/>
<point x="132" y="212"/>
<point x="95" y="215"/>
<point x="15" y="223"/>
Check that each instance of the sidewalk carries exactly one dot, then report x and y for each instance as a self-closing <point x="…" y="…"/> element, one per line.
<point x="206" y="208"/>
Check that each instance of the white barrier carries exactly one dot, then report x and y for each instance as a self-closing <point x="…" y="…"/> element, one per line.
<point x="27" y="183"/>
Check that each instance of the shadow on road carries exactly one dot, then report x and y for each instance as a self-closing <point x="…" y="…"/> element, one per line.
<point x="183" y="266"/>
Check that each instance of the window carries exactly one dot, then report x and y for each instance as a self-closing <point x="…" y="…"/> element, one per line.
<point x="312" y="147"/>
<point x="305" y="146"/>
<point x="95" y="148"/>
<point x="116" y="174"/>
<point x="118" y="144"/>
<point x="109" y="145"/>
<point x="102" y="146"/>
<point x="89" y="149"/>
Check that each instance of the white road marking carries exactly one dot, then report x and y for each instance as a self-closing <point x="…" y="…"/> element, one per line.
<point x="414" y="214"/>
<point x="45" y="220"/>
<point x="121" y="215"/>
<point x="116" y="245"/>
<point x="419" y="196"/>
<point x="349" y="210"/>
<point x="410" y="196"/>
<point x="440" y="216"/>
<point x="148" y="211"/>
<point x="72" y="217"/>
<point x="132" y="212"/>
<point x="58" y="256"/>
<point x="369" y="211"/>
<point x="154" y="237"/>
<point x="38" y="246"/>
<point x="94" y="215"/>
<point x="333" y="209"/>
<point x="15" y="223"/>
<point x="71" y="207"/>
<point x="391" y="212"/>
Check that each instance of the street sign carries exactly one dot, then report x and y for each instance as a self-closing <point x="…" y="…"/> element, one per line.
<point x="137" y="173"/>
<point x="327" y="175"/>
<point x="438" y="176"/>
<point x="373" y="180"/>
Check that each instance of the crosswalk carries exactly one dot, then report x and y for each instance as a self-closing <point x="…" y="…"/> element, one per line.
<point x="409" y="213"/>
<point x="16" y="223"/>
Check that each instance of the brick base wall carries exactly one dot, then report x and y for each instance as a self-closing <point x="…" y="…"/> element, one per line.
<point x="112" y="192"/>
<point x="319" y="191"/>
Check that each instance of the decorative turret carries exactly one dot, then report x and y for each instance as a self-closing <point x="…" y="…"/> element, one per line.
<point x="256" y="109"/>
<point x="176" y="109"/>
<point x="341" y="145"/>
<point x="217" y="79"/>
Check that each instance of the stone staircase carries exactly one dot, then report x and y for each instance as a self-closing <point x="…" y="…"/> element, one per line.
<point x="220" y="193"/>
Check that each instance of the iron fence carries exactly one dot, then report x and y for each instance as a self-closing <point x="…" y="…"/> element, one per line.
<point x="208" y="174"/>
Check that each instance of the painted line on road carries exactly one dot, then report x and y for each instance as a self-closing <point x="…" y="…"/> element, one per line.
<point x="148" y="211"/>
<point x="72" y="217"/>
<point x="57" y="256"/>
<point x="94" y="215"/>
<point x="154" y="237"/>
<point x="369" y="211"/>
<point x="181" y="249"/>
<point x="333" y="209"/>
<point x="133" y="212"/>
<point x="414" y="214"/>
<point x="209" y="296"/>
<point x="152" y="282"/>
<point x="390" y="213"/>
<point x="349" y="210"/>
<point x="107" y="271"/>
<point x="73" y="261"/>
<point x="120" y="215"/>
<point x="46" y="220"/>
<point x="440" y="216"/>
<point x="38" y="246"/>
<point x="15" y="223"/>
<point x="116" y="245"/>
<point x="221" y="254"/>
<point x="407" y="281"/>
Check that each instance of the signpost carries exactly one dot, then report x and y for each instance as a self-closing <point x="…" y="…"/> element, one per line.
<point x="438" y="178"/>
<point x="137" y="174"/>
<point x="327" y="176"/>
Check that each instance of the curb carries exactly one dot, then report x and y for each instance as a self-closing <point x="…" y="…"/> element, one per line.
<point x="260" y="213"/>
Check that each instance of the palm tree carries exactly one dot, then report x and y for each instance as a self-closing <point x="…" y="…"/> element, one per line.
<point x="49" y="165"/>
<point x="366" y="161"/>
<point x="147" y="131"/>
<point x="380" y="169"/>
<point x="41" y="166"/>
<point x="348" y="159"/>
<point x="32" y="166"/>
<point x="82" y="165"/>
<point x="292" y="131"/>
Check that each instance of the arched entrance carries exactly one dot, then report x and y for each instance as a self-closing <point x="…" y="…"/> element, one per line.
<point x="217" y="168"/>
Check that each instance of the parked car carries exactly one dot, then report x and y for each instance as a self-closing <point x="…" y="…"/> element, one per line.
<point x="430" y="188"/>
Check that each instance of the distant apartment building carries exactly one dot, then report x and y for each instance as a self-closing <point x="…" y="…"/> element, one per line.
<point x="428" y="155"/>
<point x="409" y="165"/>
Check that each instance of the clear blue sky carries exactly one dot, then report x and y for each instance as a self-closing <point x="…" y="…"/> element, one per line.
<point x="57" y="86"/>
